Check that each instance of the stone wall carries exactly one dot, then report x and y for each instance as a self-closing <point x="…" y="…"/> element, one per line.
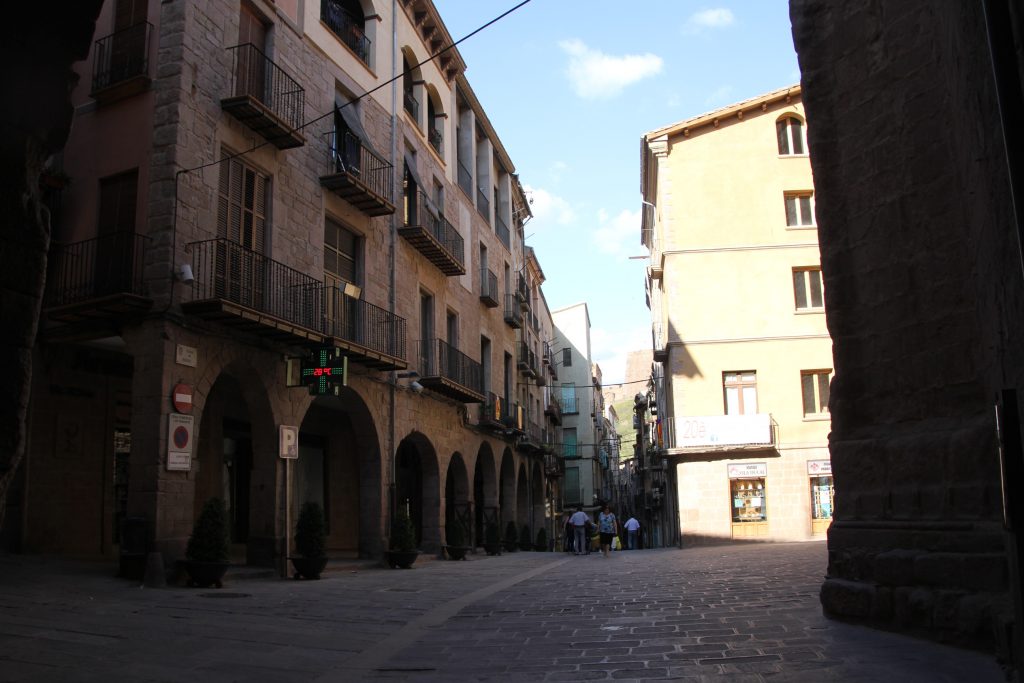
<point x="923" y="297"/>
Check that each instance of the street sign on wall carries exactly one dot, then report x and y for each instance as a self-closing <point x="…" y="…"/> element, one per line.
<point x="179" y="442"/>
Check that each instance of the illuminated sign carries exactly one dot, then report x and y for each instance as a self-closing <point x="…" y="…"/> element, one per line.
<point x="325" y="371"/>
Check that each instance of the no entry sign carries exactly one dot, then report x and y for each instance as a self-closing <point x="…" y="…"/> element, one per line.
<point x="181" y="397"/>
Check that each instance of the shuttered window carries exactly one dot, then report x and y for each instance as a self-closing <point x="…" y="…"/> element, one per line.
<point x="242" y="204"/>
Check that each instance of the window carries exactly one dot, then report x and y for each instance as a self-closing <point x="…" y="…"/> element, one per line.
<point x="740" y="389"/>
<point x="814" y="385"/>
<point x="569" y="406"/>
<point x="412" y="105"/>
<point x="807" y="289"/>
<point x="799" y="209"/>
<point x="346" y="20"/>
<point x="569" y="445"/>
<point x="748" y="500"/>
<point x="790" y="132"/>
<point x="340" y="254"/>
<point x="822" y="497"/>
<point x="567" y="358"/>
<point x="242" y="204"/>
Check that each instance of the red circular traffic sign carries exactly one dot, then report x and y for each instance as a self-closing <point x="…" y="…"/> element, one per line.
<point x="181" y="397"/>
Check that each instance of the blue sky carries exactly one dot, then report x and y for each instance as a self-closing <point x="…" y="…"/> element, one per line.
<point x="571" y="86"/>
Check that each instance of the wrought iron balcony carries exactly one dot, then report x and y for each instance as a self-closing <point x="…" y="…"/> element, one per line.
<point x="554" y="465"/>
<point x="489" y="288"/>
<point x="265" y="98"/>
<point x="426" y="228"/>
<point x="523" y="354"/>
<point x="570" y="404"/>
<point x="243" y="289"/>
<point x="436" y="138"/>
<point x="569" y="451"/>
<point x="371" y="334"/>
<point x="513" y="315"/>
<point x="97" y="279"/>
<point x="501" y="227"/>
<point x="357" y="175"/>
<point x="347" y="29"/>
<point x="554" y="410"/>
<point x="449" y="372"/>
<point x="465" y="179"/>
<point x="659" y="343"/>
<point x="493" y="411"/>
<point x="530" y="441"/>
<point x="120" y="65"/>
<point x="483" y="206"/>
<point x="412" y="105"/>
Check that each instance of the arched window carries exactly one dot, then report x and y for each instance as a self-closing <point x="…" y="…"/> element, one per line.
<point x="346" y="20"/>
<point x="790" y="132"/>
<point x="435" y="123"/>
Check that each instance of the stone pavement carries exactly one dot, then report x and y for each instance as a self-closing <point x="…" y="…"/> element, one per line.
<point x="728" y="613"/>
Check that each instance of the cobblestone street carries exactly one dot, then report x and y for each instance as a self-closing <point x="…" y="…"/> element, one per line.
<point x="736" y="613"/>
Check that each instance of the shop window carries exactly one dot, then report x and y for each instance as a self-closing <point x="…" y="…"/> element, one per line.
<point x="807" y="289"/>
<point x="790" y="133"/>
<point x="822" y="495"/>
<point x="748" y="501"/>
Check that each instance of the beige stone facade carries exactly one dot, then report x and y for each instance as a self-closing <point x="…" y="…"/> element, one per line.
<point x="262" y="192"/>
<point x="743" y="356"/>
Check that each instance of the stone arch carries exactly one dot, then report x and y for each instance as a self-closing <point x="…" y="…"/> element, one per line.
<point x="339" y="466"/>
<point x="457" y="508"/>
<point x="417" y="487"/>
<point x="236" y="457"/>
<point x="485" y="493"/>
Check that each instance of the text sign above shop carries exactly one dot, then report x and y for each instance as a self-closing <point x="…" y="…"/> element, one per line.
<point x="819" y="468"/>
<point x="751" y="470"/>
<point x="325" y="371"/>
<point x="723" y="430"/>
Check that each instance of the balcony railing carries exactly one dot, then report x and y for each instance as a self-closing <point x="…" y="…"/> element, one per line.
<point x="554" y="410"/>
<point x="570" y="404"/>
<point x="483" y="206"/>
<point x="569" y="451"/>
<point x="120" y="65"/>
<point x="658" y="343"/>
<point x="449" y="372"/>
<point x="465" y="179"/>
<point x="513" y="314"/>
<point x="429" y="231"/>
<point x="715" y="432"/>
<point x="436" y="138"/>
<point x="493" y="411"/>
<point x="358" y="325"/>
<point x="523" y="359"/>
<point x="265" y="98"/>
<point x="501" y="227"/>
<point x="412" y="105"/>
<point x="101" y="277"/>
<point x="357" y="175"/>
<point x="489" y="288"/>
<point x="346" y="28"/>
<point x="242" y="288"/>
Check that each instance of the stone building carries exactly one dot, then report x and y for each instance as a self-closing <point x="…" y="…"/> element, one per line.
<point x="914" y="111"/>
<point x="738" y="411"/>
<point x="288" y="266"/>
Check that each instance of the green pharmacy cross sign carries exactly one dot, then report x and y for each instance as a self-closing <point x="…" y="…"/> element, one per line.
<point x="325" y="371"/>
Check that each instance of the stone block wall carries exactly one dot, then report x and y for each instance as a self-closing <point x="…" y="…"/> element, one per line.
<point x="923" y="297"/>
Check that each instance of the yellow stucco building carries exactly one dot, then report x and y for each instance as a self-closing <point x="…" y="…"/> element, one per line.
<point x="743" y="358"/>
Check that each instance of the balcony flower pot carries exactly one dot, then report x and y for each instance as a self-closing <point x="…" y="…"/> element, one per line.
<point x="402" y="552"/>
<point x="207" y="556"/>
<point x="310" y="542"/>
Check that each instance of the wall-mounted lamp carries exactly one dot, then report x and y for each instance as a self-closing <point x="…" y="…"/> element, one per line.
<point x="185" y="273"/>
<point x="352" y="290"/>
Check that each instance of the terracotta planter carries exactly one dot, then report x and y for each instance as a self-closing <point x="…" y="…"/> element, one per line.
<point x="206" y="574"/>
<point x="401" y="558"/>
<point x="308" y="567"/>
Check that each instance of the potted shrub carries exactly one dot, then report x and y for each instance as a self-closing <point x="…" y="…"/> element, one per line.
<point x="207" y="553"/>
<point x="310" y="542"/>
<point x="525" y="538"/>
<point x="542" y="541"/>
<point x="402" y="552"/>
<point x="511" y="537"/>
<point x="492" y="540"/>
<point x="456" y="547"/>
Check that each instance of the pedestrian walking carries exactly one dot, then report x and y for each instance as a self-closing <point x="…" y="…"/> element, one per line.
<point x="632" y="532"/>
<point x="567" y="530"/>
<point x="579" y="521"/>
<point x="608" y="527"/>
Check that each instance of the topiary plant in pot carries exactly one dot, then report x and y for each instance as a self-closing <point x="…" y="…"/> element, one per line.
<point x="310" y="542"/>
<point x="511" y="537"/>
<point x="542" y="541"/>
<point x="456" y="547"/>
<point x="525" y="538"/>
<point x="402" y="552"/>
<point x="208" y="552"/>
<point x="492" y="539"/>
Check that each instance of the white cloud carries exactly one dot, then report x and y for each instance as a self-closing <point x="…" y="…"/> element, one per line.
<point x="549" y="208"/>
<point x="721" y="95"/>
<point x="618" y="235"/>
<point x="719" y="17"/>
<point x="595" y="75"/>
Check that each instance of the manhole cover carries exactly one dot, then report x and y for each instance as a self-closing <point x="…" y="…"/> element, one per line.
<point x="225" y="595"/>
